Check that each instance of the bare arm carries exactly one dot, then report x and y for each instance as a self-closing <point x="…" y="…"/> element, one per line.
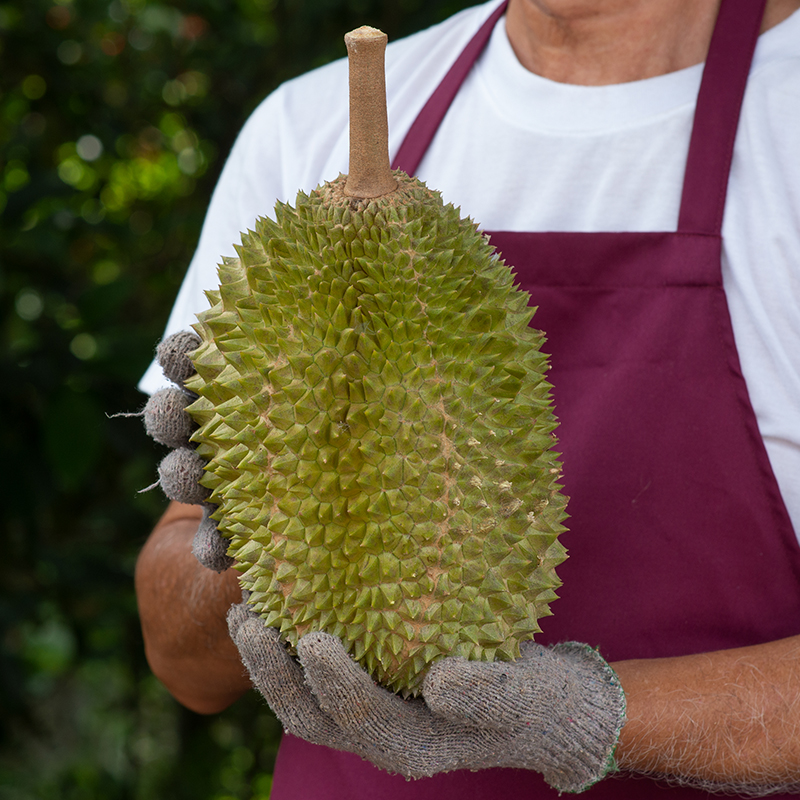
<point x="182" y="607"/>
<point x="729" y="718"/>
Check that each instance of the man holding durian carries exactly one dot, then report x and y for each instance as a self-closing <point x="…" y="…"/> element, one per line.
<point x="654" y="218"/>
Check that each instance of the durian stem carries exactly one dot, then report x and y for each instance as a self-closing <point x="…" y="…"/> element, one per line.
<point x="370" y="171"/>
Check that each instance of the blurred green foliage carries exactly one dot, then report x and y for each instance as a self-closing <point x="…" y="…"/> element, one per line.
<point x="115" y="118"/>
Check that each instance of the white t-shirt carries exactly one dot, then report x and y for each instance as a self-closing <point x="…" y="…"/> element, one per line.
<point x="519" y="152"/>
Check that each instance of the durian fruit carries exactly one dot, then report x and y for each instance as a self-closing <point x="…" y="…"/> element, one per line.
<point x="378" y="426"/>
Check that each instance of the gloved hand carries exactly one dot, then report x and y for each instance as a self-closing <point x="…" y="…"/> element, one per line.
<point x="167" y="422"/>
<point x="556" y="710"/>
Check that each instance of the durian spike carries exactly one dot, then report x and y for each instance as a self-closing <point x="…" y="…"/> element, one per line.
<point x="370" y="171"/>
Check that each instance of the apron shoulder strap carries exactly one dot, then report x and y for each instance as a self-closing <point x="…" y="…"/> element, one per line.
<point x="427" y="122"/>
<point x="716" y="116"/>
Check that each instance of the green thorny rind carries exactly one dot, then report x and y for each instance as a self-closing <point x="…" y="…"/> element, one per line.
<point x="379" y="432"/>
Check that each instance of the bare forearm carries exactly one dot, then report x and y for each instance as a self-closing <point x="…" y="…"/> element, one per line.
<point x="182" y="607"/>
<point x="729" y="718"/>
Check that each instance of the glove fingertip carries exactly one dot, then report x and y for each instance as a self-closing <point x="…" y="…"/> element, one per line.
<point x="320" y="642"/>
<point x="165" y="417"/>
<point x="444" y="673"/>
<point x="237" y="615"/>
<point x="172" y="355"/>
<point x="438" y="685"/>
<point x="329" y="670"/>
<point x="469" y="692"/>
<point x="257" y="643"/>
<point x="179" y="474"/>
<point x="320" y="649"/>
<point x="209" y="547"/>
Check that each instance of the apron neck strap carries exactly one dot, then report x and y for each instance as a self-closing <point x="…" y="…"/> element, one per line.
<point x="716" y="115"/>
<point x="424" y="128"/>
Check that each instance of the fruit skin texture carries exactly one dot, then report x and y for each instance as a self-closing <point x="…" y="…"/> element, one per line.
<point x="379" y="432"/>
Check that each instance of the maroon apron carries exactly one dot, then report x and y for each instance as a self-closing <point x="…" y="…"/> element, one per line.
<point x="679" y="540"/>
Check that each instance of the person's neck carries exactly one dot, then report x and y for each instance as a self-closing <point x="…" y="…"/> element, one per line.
<point x="600" y="42"/>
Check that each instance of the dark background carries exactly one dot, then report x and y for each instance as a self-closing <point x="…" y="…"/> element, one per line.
<point x="115" y="120"/>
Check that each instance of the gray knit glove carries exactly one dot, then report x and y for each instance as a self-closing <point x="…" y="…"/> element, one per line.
<point x="555" y="710"/>
<point x="179" y="473"/>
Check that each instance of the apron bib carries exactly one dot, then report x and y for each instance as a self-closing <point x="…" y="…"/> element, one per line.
<point x="679" y="541"/>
